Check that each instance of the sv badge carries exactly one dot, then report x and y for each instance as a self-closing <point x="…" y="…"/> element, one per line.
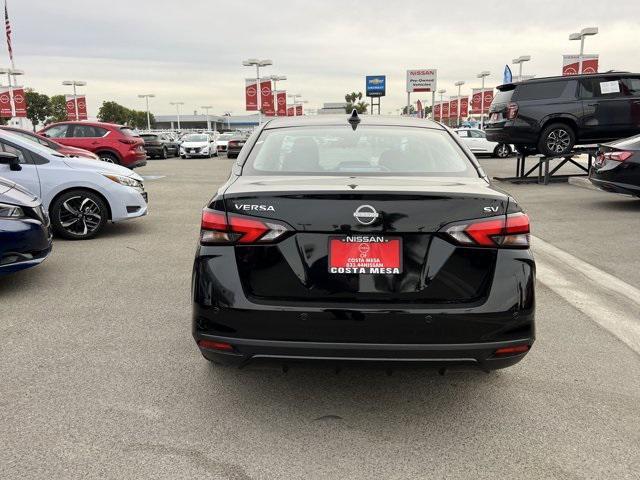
<point x="491" y="209"/>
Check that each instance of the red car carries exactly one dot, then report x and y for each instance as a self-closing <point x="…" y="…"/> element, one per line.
<point x="112" y="143"/>
<point x="61" y="149"/>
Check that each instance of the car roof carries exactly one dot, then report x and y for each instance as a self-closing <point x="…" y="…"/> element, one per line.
<point x="567" y="77"/>
<point x="91" y="124"/>
<point x="332" y="120"/>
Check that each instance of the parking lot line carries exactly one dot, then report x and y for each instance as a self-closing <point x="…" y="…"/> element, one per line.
<point x="610" y="302"/>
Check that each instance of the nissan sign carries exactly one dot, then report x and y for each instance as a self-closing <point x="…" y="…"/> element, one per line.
<point x="376" y="85"/>
<point x="423" y="80"/>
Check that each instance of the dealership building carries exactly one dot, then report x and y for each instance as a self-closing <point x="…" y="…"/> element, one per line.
<point x="220" y="123"/>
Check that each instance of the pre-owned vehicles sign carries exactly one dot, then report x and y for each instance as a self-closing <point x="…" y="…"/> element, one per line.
<point x="422" y="80"/>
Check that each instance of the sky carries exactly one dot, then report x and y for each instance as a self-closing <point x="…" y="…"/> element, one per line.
<point x="192" y="50"/>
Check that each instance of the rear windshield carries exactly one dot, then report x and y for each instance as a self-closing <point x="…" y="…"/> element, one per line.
<point x="369" y="150"/>
<point x="195" y="137"/>
<point x="129" y="132"/>
<point x="502" y="96"/>
<point x="149" y="137"/>
<point x="546" y="90"/>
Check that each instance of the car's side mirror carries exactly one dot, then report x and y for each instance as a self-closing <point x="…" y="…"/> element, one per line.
<point x="10" y="159"/>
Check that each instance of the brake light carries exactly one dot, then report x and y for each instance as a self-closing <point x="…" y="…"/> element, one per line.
<point x="510" y="231"/>
<point x="515" y="350"/>
<point x="128" y="141"/>
<point x="216" y="229"/>
<point x="619" y="156"/>
<point x="213" y="345"/>
<point x="512" y="110"/>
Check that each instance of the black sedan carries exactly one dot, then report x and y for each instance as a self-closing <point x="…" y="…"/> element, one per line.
<point x="160" y="145"/>
<point x="235" y="144"/>
<point x="347" y="239"/>
<point x="617" y="167"/>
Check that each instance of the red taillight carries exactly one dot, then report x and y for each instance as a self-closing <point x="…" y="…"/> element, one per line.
<point x="128" y="141"/>
<point x="515" y="350"/>
<point x="213" y="345"/>
<point x="215" y="229"/>
<point x="510" y="231"/>
<point x="619" y="156"/>
<point x="512" y="110"/>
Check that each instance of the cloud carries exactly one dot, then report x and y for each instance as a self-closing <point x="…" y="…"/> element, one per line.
<point x="192" y="50"/>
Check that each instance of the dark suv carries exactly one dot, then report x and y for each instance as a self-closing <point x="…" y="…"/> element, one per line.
<point x="551" y="115"/>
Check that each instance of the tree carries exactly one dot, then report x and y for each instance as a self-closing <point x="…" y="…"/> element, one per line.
<point x="112" y="112"/>
<point x="354" y="100"/>
<point x="38" y="107"/>
<point x="57" y="109"/>
<point x="412" y="110"/>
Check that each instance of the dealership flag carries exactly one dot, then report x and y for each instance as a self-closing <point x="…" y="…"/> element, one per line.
<point x="266" y="97"/>
<point x="281" y="103"/>
<point x="571" y="64"/>
<point x="507" y="77"/>
<point x="476" y="99"/>
<point x="71" y="107"/>
<point x="445" y="110"/>
<point x="19" y="102"/>
<point x="453" y="107"/>
<point x="299" y="110"/>
<point x="436" y="111"/>
<point x="251" y="94"/>
<point x="290" y="111"/>
<point x="420" y="109"/>
<point x="5" y="103"/>
<point x="464" y="107"/>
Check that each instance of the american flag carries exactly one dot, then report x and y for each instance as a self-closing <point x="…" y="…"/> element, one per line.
<point x="7" y="25"/>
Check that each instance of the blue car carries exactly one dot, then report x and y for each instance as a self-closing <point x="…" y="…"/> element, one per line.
<point x="25" y="233"/>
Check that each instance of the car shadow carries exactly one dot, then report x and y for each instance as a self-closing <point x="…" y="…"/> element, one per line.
<point x="617" y="202"/>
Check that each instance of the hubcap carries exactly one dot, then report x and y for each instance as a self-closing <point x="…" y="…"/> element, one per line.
<point x="503" y="151"/>
<point x="107" y="159"/>
<point x="79" y="215"/>
<point x="558" y="140"/>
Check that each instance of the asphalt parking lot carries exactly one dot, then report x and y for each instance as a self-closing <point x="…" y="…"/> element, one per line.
<point x="100" y="377"/>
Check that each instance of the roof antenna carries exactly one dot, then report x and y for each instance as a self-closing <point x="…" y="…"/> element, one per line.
<point x="354" y="119"/>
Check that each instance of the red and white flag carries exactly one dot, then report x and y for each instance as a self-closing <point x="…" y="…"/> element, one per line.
<point x="251" y="94"/>
<point x="19" y="102"/>
<point x="281" y="103"/>
<point x="266" y="97"/>
<point x="299" y="111"/>
<point x="5" y="103"/>
<point x="290" y="111"/>
<point x="419" y="109"/>
<point x="7" y="27"/>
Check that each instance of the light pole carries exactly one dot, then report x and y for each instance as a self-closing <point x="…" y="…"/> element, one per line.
<point x="484" y="74"/>
<point x="206" y="108"/>
<point x="147" y="96"/>
<point x="585" y="32"/>
<point x="275" y="79"/>
<point x="228" y="115"/>
<point x="258" y="63"/>
<point x="519" y="61"/>
<point x="459" y="85"/>
<point x="442" y="91"/>
<point x="75" y="83"/>
<point x="177" y="104"/>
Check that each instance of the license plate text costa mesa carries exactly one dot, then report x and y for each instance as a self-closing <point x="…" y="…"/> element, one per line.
<point x="373" y="254"/>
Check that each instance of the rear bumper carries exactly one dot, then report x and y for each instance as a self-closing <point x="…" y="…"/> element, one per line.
<point x="481" y="355"/>
<point x="134" y="160"/>
<point x="512" y="132"/>
<point x="615" y="187"/>
<point x="391" y="332"/>
<point x="154" y="149"/>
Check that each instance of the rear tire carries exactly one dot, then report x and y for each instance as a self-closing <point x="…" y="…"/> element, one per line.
<point x="78" y="215"/>
<point x="502" y="150"/>
<point x="109" y="158"/>
<point x="164" y="154"/>
<point x="556" y="139"/>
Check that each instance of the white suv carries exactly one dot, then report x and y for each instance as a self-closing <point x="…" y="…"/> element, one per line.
<point x="81" y="195"/>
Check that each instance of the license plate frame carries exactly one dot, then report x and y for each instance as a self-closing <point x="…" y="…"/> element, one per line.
<point x="365" y="255"/>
